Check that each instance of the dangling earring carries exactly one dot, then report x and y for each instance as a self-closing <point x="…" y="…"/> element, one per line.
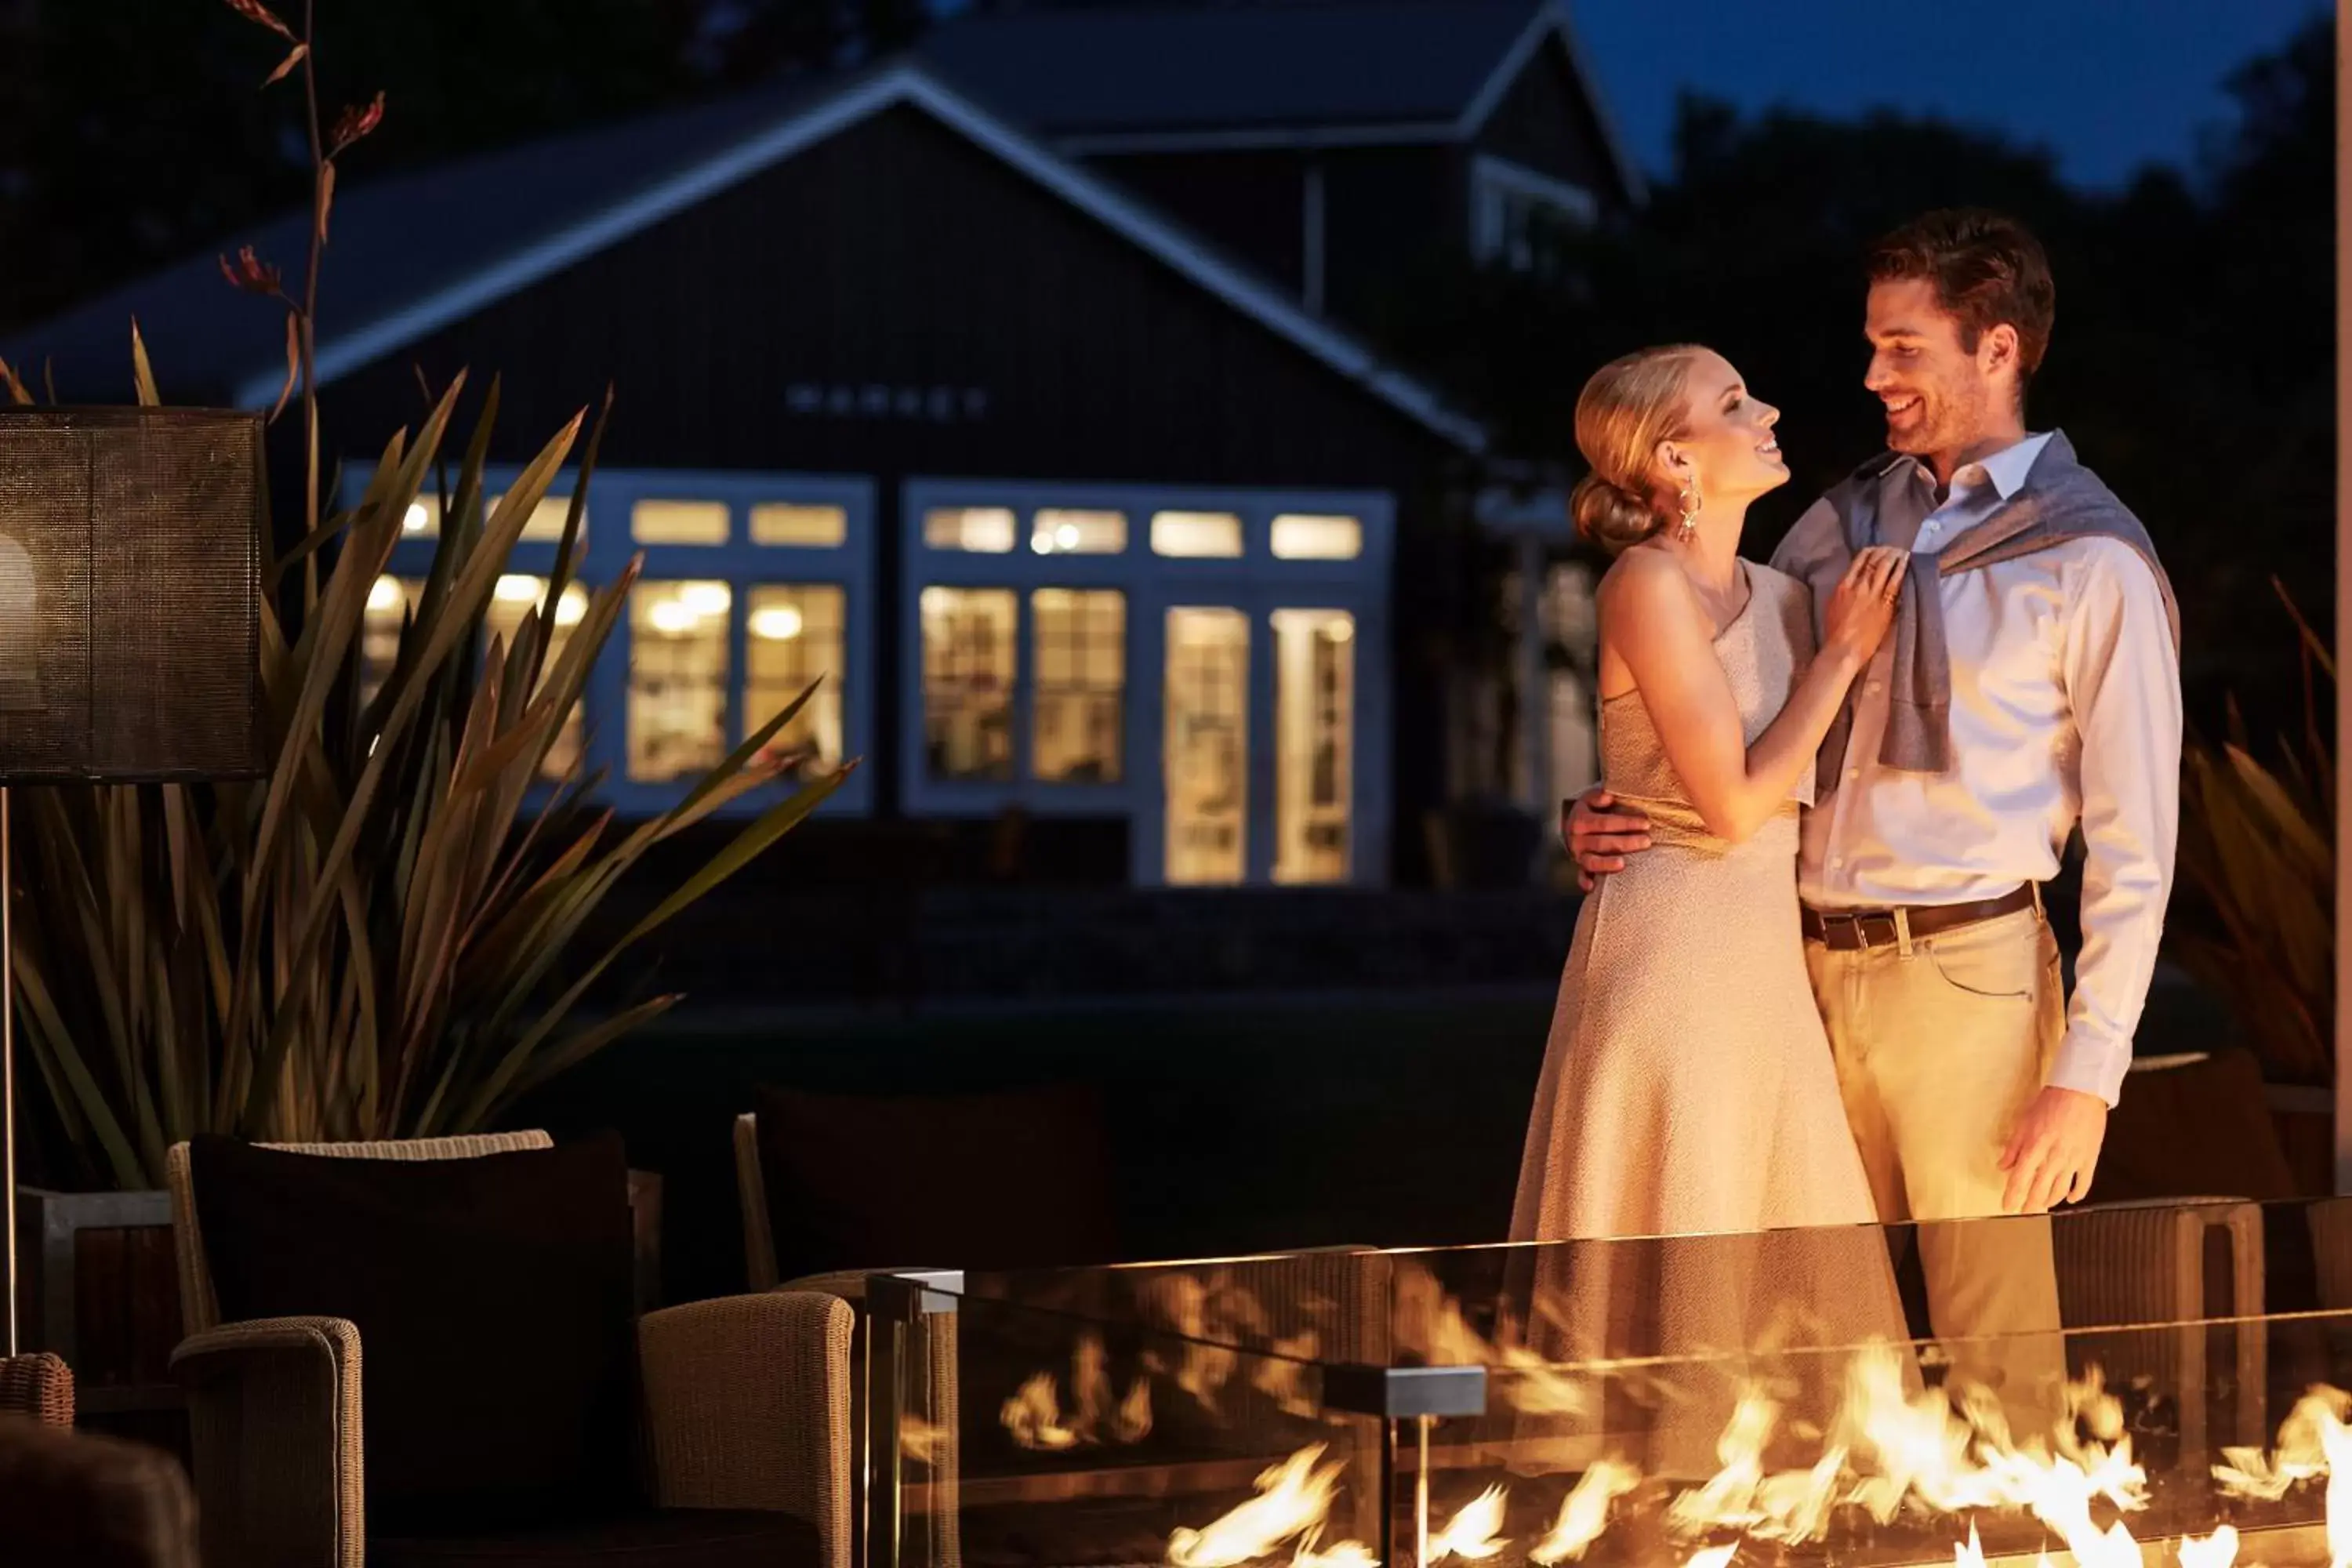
<point x="1689" y="498"/>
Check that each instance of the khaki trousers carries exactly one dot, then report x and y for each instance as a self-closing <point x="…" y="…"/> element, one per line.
<point x="1940" y="1044"/>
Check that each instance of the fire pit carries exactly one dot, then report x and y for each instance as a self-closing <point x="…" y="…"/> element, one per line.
<point x="1674" y="1400"/>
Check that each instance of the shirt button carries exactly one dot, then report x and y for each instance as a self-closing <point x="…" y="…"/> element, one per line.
<point x="1872" y="688"/>
<point x="1837" y="862"/>
<point x="1852" y="773"/>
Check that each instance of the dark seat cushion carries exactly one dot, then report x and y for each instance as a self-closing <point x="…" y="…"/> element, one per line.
<point x="1012" y="1179"/>
<point x="492" y="1296"/>
<point x="675" y="1538"/>
<point x="2202" y="1129"/>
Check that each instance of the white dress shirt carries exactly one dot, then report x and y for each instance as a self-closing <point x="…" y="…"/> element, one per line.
<point x="2065" y="710"/>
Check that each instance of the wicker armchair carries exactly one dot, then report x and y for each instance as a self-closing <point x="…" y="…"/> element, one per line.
<point x="745" y="1403"/>
<point x="40" y="1386"/>
<point x="71" y="1501"/>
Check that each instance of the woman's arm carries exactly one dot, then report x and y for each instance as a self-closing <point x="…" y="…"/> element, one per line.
<point x="1652" y="618"/>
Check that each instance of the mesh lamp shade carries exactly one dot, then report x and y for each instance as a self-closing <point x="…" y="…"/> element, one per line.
<point x="129" y="594"/>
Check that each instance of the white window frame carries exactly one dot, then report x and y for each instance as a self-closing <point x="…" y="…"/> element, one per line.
<point x="1255" y="582"/>
<point x="1493" y="181"/>
<point x="741" y="564"/>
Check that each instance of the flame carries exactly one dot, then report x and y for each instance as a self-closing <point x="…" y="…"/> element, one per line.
<point x="2218" y="1550"/>
<point x="1430" y="1323"/>
<point x="1133" y="1422"/>
<point x="1584" y="1513"/>
<point x="1475" y="1533"/>
<point x="920" y="1440"/>
<point x="1294" y="1500"/>
<point x="1279" y="1375"/>
<point x="1972" y="1555"/>
<point x="1033" y="1416"/>
<point x="2335" y="1447"/>
<point x="1713" y="1557"/>
<point x="1345" y="1554"/>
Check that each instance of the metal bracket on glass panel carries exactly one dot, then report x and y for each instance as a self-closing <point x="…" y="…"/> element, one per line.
<point x="914" y="1293"/>
<point x="1396" y="1392"/>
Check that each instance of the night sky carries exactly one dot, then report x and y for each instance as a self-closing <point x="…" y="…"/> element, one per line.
<point x="2108" y="85"/>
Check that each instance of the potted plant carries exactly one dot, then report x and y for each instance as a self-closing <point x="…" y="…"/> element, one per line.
<point x="2253" y="919"/>
<point x="381" y="938"/>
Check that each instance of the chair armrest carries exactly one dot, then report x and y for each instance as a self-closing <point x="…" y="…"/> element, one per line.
<point x="273" y="1432"/>
<point x="747" y="1406"/>
<point x="92" y="1501"/>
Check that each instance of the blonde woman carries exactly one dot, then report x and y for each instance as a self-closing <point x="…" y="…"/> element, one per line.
<point x="1688" y="1085"/>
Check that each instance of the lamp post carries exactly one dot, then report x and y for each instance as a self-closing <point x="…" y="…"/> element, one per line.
<point x="130" y="628"/>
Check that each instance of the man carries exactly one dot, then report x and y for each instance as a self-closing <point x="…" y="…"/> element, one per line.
<point x="2030" y="686"/>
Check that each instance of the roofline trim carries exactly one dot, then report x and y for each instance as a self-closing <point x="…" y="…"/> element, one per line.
<point x="903" y="83"/>
<point x="1389" y="133"/>
<point x="1551" y="21"/>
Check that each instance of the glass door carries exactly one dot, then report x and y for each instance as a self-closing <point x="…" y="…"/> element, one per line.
<point x="1205" y="752"/>
<point x="1315" y="740"/>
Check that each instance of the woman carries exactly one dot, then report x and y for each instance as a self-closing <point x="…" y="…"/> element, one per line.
<point x="1688" y="1092"/>
<point x="1688" y="1086"/>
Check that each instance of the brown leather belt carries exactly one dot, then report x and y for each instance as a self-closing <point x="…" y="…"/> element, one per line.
<point x="1851" y="931"/>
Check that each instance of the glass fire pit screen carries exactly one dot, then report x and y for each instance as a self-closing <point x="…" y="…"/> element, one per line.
<point x="1770" y="1398"/>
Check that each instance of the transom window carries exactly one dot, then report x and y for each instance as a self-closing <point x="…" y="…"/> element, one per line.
<point x="985" y="530"/>
<point x="1300" y="537"/>
<point x="1066" y="530"/>
<point x="678" y="522"/>
<point x="1196" y="535"/>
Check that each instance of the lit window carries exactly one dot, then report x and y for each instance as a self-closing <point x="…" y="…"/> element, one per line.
<point x="1301" y="537"/>
<point x="985" y="530"/>
<point x="515" y="597"/>
<point x="422" y="519"/>
<point x="389" y="602"/>
<point x="1196" y="533"/>
<point x="1314" y="726"/>
<point x="810" y="527"/>
<point x="1205" y="752"/>
<point x="1079" y="638"/>
<point x="677" y="679"/>
<point x="968" y="674"/>
<point x="1059" y="531"/>
<point x="678" y="522"/>
<point x="796" y="637"/>
<point x="547" y="519"/>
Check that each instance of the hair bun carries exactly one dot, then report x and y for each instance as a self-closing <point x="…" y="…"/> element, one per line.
<point x="1610" y="516"/>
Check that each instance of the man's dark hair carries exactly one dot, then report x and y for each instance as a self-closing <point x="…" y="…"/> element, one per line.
<point x="1986" y="267"/>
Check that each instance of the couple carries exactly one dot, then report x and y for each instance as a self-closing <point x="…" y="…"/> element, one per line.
<point x="1813" y="984"/>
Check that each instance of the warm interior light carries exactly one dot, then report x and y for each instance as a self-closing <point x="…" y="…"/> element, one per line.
<point x="516" y="588"/>
<point x="573" y="607"/>
<point x="384" y="593"/>
<point x="672" y="616"/>
<point x="417" y="519"/>
<point x="778" y="623"/>
<point x="706" y="598"/>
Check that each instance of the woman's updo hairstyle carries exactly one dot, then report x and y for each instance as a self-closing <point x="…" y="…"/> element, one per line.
<point x="1624" y="411"/>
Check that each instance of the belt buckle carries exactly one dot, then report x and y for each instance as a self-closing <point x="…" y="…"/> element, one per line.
<point x="1857" y="923"/>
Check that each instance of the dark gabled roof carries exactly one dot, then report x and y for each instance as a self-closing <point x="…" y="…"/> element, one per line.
<point x="415" y="252"/>
<point x="402" y="237"/>
<point x="1177" y="67"/>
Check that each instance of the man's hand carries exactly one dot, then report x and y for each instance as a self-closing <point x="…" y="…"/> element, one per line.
<point x="1599" y="833"/>
<point x="2054" y="1150"/>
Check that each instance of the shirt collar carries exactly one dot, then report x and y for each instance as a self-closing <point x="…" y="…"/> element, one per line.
<point x="2006" y="470"/>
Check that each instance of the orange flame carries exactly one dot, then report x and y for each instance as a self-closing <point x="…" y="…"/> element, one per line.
<point x="1474" y="1534"/>
<point x="1584" y="1513"/>
<point x="1294" y="1500"/>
